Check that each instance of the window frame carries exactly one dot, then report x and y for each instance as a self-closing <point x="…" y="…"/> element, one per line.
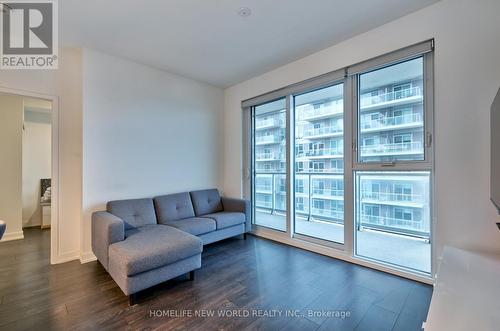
<point x="349" y="77"/>
<point x="428" y="114"/>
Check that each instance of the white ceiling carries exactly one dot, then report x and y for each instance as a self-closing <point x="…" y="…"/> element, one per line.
<point x="208" y="41"/>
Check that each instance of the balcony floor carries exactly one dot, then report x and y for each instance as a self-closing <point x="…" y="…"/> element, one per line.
<point x="400" y="250"/>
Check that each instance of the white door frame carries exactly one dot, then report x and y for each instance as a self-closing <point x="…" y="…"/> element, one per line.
<point x="55" y="180"/>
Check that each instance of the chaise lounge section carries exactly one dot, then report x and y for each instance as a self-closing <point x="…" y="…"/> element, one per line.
<point x="144" y="242"/>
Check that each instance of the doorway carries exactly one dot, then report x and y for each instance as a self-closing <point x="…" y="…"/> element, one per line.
<point x="27" y="195"/>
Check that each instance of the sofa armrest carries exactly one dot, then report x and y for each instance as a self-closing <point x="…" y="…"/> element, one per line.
<point x="107" y="229"/>
<point x="239" y="205"/>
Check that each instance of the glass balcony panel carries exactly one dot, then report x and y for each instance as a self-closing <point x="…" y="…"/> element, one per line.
<point x="389" y="122"/>
<point x="409" y="95"/>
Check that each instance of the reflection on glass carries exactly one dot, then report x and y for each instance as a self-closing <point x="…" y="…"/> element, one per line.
<point x="319" y="164"/>
<point x="393" y="218"/>
<point x="269" y="150"/>
<point x="391" y="121"/>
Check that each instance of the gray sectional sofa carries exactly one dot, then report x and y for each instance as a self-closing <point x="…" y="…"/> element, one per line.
<point x="144" y="242"/>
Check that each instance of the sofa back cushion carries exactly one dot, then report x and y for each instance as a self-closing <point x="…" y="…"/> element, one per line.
<point x="173" y="207"/>
<point x="134" y="212"/>
<point x="206" y="201"/>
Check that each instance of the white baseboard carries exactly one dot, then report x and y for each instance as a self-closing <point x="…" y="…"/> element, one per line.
<point x="74" y="255"/>
<point x="87" y="257"/>
<point x="65" y="257"/>
<point x="13" y="236"/>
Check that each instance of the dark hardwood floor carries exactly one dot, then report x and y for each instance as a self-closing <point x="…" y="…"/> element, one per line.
<point x="253" y="276"/>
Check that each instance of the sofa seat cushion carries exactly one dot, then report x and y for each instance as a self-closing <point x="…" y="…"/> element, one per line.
<point x="195" y="225"/>
<point x="150" y="247"/>
<point x="225" y="219"/>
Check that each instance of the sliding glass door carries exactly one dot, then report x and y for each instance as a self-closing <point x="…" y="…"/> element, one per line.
<point x="319" y="164"/>
<point x="269" y="164"/>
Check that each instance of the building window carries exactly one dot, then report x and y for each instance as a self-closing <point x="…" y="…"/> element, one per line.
<point x="299" y="204"/>
<point x="299" y="186"/>
<point x="318" y="166"/>
<point x="403" y="192"/>
<point x="403" y="214"/>
<point x="319" y="204"/>
<point x="403" y="138"/>
<point x="402" y="90"/>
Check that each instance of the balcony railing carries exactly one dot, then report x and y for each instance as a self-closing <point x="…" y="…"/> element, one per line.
<point x="310" y="113"/>
<point x="268" y="123"/>
<point x="383" y="122"/>
<point x="271" y="187"/>
<point x="269" y="156"/>
<point x="327" y="213"/>
<point x="322" y="171"/>
<point x="327" y="192"/>
<point x="389" y="149"/>
<point x="311" y="132"/>
<point x="397" y="225"/>
<point x="263" y="170"/>
<point x="367" y="99"/>
<point x="391" y="197"/>
<point x="271" y="139"/>
<point x="321" y="152"/>
<point x="263" y="188"/>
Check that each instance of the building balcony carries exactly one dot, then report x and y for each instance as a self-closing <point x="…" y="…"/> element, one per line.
<point x="260" y="157"/>
<point x="321" y="153"/>
<point x="414" y="147"/>
<point x="262" y="169"/>
<point x="396" y="225"/>
<point x="335" y="108"/>
<point x="322" y="171"/>
<point x="393" y="199"/>
<point x="391" y="123"/>
<point x="329" y="213"/>
<point x="269" y="123"/>
<point x="323" y="132"/>
<point x="263" y="189"/>
<point x="264" y="204"/>
<point x="327" y="194"/>
<point x="391" y="99"/>
<point x="267" y="140"/>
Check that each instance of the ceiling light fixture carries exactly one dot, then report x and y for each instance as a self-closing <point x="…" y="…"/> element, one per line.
<point x="244" y="12"/>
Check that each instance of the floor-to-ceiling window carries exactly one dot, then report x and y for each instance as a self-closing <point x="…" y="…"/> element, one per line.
<point x="319" y="166"/>
<point x="269" y="170"/>
<point x="345" y="160"/>
<point x="393" y="207"/>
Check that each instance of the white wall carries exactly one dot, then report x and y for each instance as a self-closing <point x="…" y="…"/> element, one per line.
<point x="37" y="160"/>
<point x="66" y="84"/>
<point x="145" y="132"/>
<point x="467" y="76"/>
<point x="11" y="122"/>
